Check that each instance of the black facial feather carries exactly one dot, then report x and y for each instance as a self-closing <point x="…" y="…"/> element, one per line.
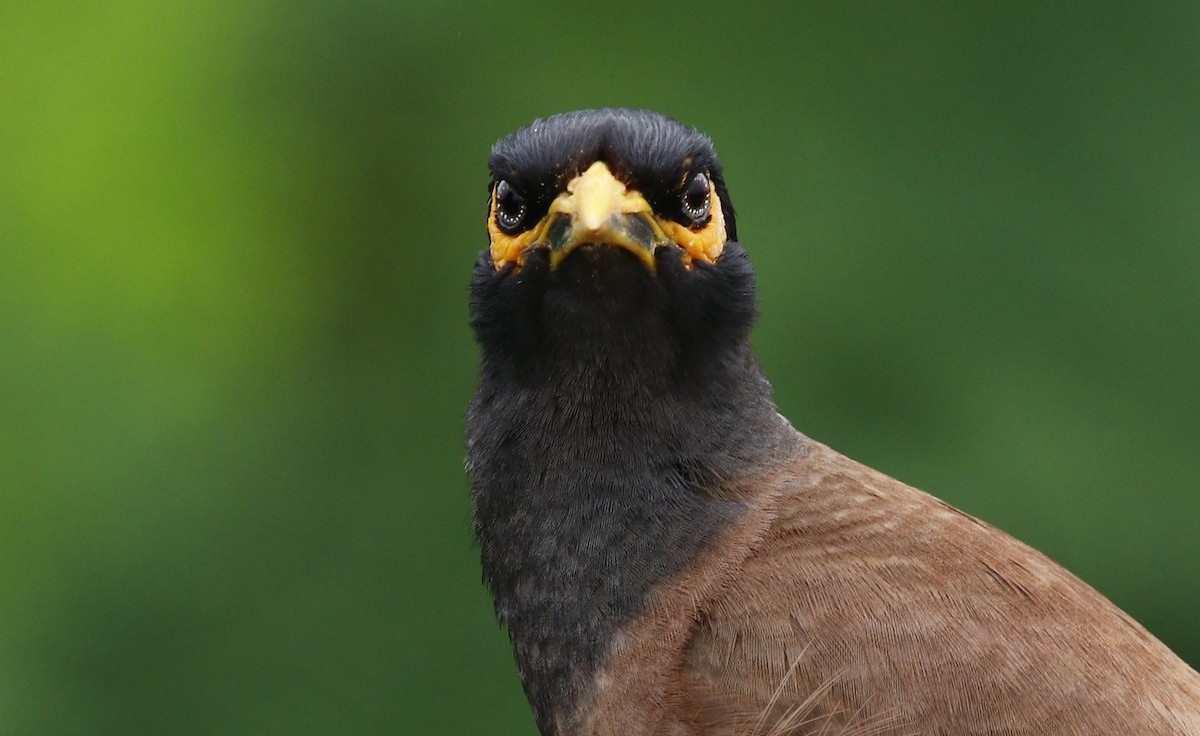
<point x="615" y="405"/>
<point x="650" y="152"/>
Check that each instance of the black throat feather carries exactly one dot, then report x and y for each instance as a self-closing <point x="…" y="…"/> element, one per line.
<point x="614" y="405"/>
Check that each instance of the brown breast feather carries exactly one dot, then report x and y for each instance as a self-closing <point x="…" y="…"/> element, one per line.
<point x="850" y="603"/>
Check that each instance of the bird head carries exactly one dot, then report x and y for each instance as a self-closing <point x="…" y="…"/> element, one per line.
<point x="611" y="233"/>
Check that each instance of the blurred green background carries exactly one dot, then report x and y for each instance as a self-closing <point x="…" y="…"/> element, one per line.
<point x="235" y="239"/>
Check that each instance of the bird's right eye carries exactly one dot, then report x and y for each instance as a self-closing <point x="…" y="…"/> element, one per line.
<point x="510" y="207"/>
<point x="696" y="201"/>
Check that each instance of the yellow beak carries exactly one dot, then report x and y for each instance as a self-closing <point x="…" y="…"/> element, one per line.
<point x="598" y="209"/>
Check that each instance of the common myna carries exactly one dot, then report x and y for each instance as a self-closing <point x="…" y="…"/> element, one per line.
<point x="671" y="557"/>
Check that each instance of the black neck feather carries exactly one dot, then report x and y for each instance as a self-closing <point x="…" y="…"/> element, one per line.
<point x="612" y="406"/>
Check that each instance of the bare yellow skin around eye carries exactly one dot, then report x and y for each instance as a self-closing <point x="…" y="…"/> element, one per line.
<point x="703" y="245"/>
<point x="700" y="245"/>
<point x="507" y="248"/>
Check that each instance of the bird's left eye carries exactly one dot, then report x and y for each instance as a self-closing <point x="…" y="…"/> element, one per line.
<point x="695" y="200"/>
<point x="510" y="207"/>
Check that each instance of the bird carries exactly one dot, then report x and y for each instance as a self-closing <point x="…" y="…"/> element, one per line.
<point x="670" y="556"/>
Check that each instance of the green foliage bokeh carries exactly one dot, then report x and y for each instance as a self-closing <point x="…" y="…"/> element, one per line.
<point x="234" y="246"/>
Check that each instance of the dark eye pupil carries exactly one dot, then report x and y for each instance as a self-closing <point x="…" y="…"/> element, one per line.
<point x="695" y="197"/>
<point x="510" y="206"/>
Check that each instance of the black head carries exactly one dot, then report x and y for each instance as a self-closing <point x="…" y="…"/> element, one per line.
<point x="602" y="222"/>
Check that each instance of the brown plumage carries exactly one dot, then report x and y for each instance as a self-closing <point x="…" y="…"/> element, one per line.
<point x="671" y="557"/>
<point x="848" y="602"/>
